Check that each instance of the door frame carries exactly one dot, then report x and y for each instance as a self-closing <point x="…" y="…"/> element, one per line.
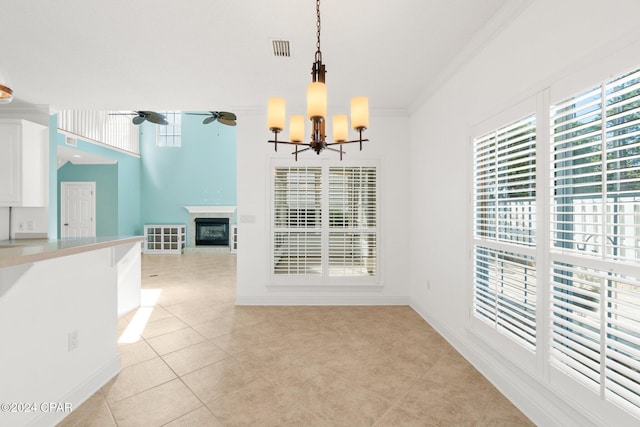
<point x="63" y="199"/>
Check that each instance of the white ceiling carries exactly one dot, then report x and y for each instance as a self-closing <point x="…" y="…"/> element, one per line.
<point x="217" y="55"/>
<point x="79" y="157"/>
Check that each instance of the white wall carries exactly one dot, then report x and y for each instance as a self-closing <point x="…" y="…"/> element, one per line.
<point x="549" y="40"/>
<point x="389" y="144"/>
<point x="41" y="303"/>
<point x="4" y="223"/>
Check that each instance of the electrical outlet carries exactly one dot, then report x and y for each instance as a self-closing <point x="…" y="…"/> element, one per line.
<point x="428" y="284"/>
<point x="30" y="225"/>
<point x="73" y="340"/>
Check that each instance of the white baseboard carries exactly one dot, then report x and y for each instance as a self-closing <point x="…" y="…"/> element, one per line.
<point x="540" y="403"/>
<point x="322" y="300"/>
<point x="81" y="393"/>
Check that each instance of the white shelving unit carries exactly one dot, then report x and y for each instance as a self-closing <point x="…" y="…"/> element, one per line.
<point x="233" y="239"/>
<point x="164" y="238"/>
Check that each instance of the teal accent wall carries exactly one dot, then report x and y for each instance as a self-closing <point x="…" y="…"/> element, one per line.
<point x="106" y="179"/>
<point x="201" y="172"/>
<point x="126" y="180"/>
<point x="155" y="187"/>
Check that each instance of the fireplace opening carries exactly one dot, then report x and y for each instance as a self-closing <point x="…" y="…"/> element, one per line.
<point x="212" y="231"/>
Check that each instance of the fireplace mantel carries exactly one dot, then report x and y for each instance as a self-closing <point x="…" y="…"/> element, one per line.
<point x="224" y="210"/>
<point x="207" y="212"/>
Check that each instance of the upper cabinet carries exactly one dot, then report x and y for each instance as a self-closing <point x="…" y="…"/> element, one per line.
<point x="24" y="164"/>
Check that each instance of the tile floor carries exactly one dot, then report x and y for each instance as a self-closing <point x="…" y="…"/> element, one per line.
<point x="202" y="361"/>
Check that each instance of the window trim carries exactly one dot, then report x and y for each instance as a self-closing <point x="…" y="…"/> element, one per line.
<point x="318" y="282"/>
<point x="525" y="358"/>
<point x="539" y="366"/>
<point x="170" y="115"/>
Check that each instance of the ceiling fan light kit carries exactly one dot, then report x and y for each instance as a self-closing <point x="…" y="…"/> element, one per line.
<point x="6" y="94"/>
<point x="317" y="113"/>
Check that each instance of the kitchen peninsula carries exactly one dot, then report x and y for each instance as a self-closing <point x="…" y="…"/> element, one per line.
<point x="59" y="306"/>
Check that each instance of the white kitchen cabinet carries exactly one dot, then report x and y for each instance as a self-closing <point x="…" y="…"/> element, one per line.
<point x="24" y="164"/>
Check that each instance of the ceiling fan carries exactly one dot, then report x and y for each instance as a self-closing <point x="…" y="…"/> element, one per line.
<point x="224" y="117"/>
<point x="141" y="116"/>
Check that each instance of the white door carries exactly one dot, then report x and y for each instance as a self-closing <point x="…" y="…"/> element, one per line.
<point x="77" y="209"/>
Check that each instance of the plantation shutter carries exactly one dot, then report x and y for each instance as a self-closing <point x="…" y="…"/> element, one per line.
<point x="504" y="229"/>
<point x="576" y="217"/>
<point x="352" y="221"/>
<point x="325" y="222"/>
<point x="595" y="242"/>
<point x="297" y="217"/>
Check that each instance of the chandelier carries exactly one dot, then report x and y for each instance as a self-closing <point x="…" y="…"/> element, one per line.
<point x="317" y="113"/>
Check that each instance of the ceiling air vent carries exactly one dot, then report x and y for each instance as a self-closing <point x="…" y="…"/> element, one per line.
<point x="281" y="48"/>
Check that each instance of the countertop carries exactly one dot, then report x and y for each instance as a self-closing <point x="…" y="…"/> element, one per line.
<point x="22" y="251"/>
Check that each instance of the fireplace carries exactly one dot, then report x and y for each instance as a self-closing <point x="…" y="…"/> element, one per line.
<point x="212" y="231"/>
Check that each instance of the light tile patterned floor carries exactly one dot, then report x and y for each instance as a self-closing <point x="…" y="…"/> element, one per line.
<point x="202" y="361"/>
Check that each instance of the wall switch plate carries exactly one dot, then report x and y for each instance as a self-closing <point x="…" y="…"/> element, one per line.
<point x="73" y="340"/>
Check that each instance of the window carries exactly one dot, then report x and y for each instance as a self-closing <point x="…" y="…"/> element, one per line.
<point x="504" y="230"/>
<point x="556" y="240"/>
<point x="297" y="220"/>
<point x="171" y="134"/>
<point x="325" y="221"/>
<point x="352" y="221"/>
<point x="595" y="240"/>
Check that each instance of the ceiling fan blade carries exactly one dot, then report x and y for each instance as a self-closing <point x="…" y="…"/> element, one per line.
<point x="227" y="122"/>
<point x="156" y="118"/>
<point x="227" y="115"/>
<point x="198" y="114"/>
<point x="122" y="114"/>
<point x="208" y="120"/>
<point x="138" y="120"/>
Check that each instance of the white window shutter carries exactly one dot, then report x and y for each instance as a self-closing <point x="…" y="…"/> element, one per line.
<point x="504" y="229"/>
<point x="595" y="239"/>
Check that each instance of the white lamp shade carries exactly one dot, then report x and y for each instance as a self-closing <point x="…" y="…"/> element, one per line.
<point x="359" y="112"/>
<point x="317" y="100"/>
<point x="296" y="128"/>
<point x="340" y="128"/>
<point x="276" y="113"/>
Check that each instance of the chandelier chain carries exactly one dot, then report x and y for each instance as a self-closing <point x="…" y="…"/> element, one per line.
<point x="318" y="27"/>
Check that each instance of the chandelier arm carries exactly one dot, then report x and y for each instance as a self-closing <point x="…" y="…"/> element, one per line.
<point x="300" y="151"/>
<point x="345" y="142"/>
<point x="306" y="144"/>
<point x="333" y="149"/>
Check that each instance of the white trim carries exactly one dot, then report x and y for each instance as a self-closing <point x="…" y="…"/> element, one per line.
<point x="321" y="281"/>
<point x="80" y="394"/>
<point x="305" y="299"/>
<point x="211" y="209"/>
<point x="540" y="403"/>
<point x="487" y="33"/>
